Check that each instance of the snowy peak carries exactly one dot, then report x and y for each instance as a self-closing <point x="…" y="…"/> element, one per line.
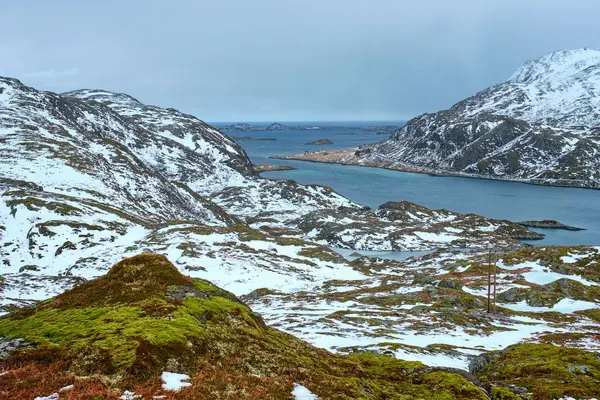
<point x="556" y="66"/>
<point x="107" y="98"/>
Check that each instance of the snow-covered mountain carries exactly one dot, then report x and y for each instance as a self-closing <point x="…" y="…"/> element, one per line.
<point x="542" y="125"/>
<point x="88" y="176"/>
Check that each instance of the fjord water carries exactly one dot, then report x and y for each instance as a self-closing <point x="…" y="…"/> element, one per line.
<point x="374" y="186"/>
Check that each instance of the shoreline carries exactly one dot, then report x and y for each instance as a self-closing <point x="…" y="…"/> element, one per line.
<point x="420" y="170"/>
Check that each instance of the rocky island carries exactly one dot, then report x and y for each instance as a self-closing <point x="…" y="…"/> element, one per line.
<point x="321" y="141"/>
<point x="549" y="224"/>
<point x="248" y="138"/>
<point x="270" y="167"/>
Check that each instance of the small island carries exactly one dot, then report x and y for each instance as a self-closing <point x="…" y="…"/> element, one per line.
<point x="248" y="138"/>
<point x="264" y="167"/>
<point x="549" y="224"/>
<point x="321" y="141"/>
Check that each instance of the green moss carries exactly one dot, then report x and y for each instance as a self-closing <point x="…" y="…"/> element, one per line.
<point x="35" y="204"/>
<point x="291" y="241"/>
<point x="547" y="370"/>
<point x="455" y="384"/>
<point x="321" y="253"/>
<point x="502" y="393"/>
<point x="118" y="330"/>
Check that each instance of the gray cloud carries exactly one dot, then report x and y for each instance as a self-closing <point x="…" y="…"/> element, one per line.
<point x="287" y="59"/>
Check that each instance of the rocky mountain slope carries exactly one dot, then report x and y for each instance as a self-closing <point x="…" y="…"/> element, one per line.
<point x="87" y="175"/>
<point x="540" y="126"/>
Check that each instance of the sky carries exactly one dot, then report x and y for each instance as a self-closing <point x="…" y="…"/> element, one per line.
<point x="287" y="60"/>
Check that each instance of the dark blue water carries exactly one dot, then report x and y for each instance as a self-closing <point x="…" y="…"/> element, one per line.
<point x="374" y="186"/>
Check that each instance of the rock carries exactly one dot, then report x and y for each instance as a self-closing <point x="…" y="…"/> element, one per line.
<point x="450" y="284"/>
<point x="258" y="293"/>
<point x="7" y="346"/>
<point x="478" y="363"/>
<point x="321" y="141"/>
<point x="567" y="287"/>
<point x="29" y="268"/>
<point x="549" y="224"/>
<point x="575" y="369"/>
<point x="423" y="279"/>
<point x="512" y="295"/>
<point x="518" y="389"/>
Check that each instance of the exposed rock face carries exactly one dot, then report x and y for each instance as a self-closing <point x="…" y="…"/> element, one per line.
<point x="540" y="126"/>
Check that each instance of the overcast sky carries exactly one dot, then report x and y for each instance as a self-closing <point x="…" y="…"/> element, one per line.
<point x="287" y="60"/>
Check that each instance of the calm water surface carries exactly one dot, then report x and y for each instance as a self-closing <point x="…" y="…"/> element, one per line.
<point x="374" y="186"/>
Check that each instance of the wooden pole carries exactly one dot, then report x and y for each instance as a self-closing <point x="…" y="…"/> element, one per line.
<point x="489" y="283"/>
<point x="495" y="266"/>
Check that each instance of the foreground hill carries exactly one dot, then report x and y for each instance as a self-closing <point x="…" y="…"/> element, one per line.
<point x="540" y="126"/>
<point x="124" y="330"/>
<point x="120" y="334"/>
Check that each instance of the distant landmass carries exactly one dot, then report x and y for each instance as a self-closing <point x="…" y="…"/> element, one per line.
<point x="246" y="127"/>
<point x="541" y="126"/>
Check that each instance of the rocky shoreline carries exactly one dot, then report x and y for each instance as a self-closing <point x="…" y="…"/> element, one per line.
<point x="349" y="156"/>
<point x="270" y="167"/>
<point x="549" y="224"/>
<point x="248" y="138"/>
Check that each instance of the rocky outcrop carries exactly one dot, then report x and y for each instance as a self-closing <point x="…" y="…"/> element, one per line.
<point x="320" y="141"/>
<point x="549" y="224"/>
<point x="406" y="226"/>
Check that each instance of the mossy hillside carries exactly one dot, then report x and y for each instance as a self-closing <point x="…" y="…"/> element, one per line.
<point x="144" y="317"/>
<point x="142" y="304"/>
<point x="551" y="256"/>
<point x="545" y="370"/>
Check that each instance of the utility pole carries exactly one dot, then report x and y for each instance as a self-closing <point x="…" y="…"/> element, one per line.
<point x="495" y="266"/>
<point x="489" y="280"/>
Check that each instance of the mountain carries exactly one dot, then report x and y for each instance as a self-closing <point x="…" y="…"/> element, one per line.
<point x="90" y="175"/>
<point x="276" y="127"/>
<point x="540" y="126"/>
